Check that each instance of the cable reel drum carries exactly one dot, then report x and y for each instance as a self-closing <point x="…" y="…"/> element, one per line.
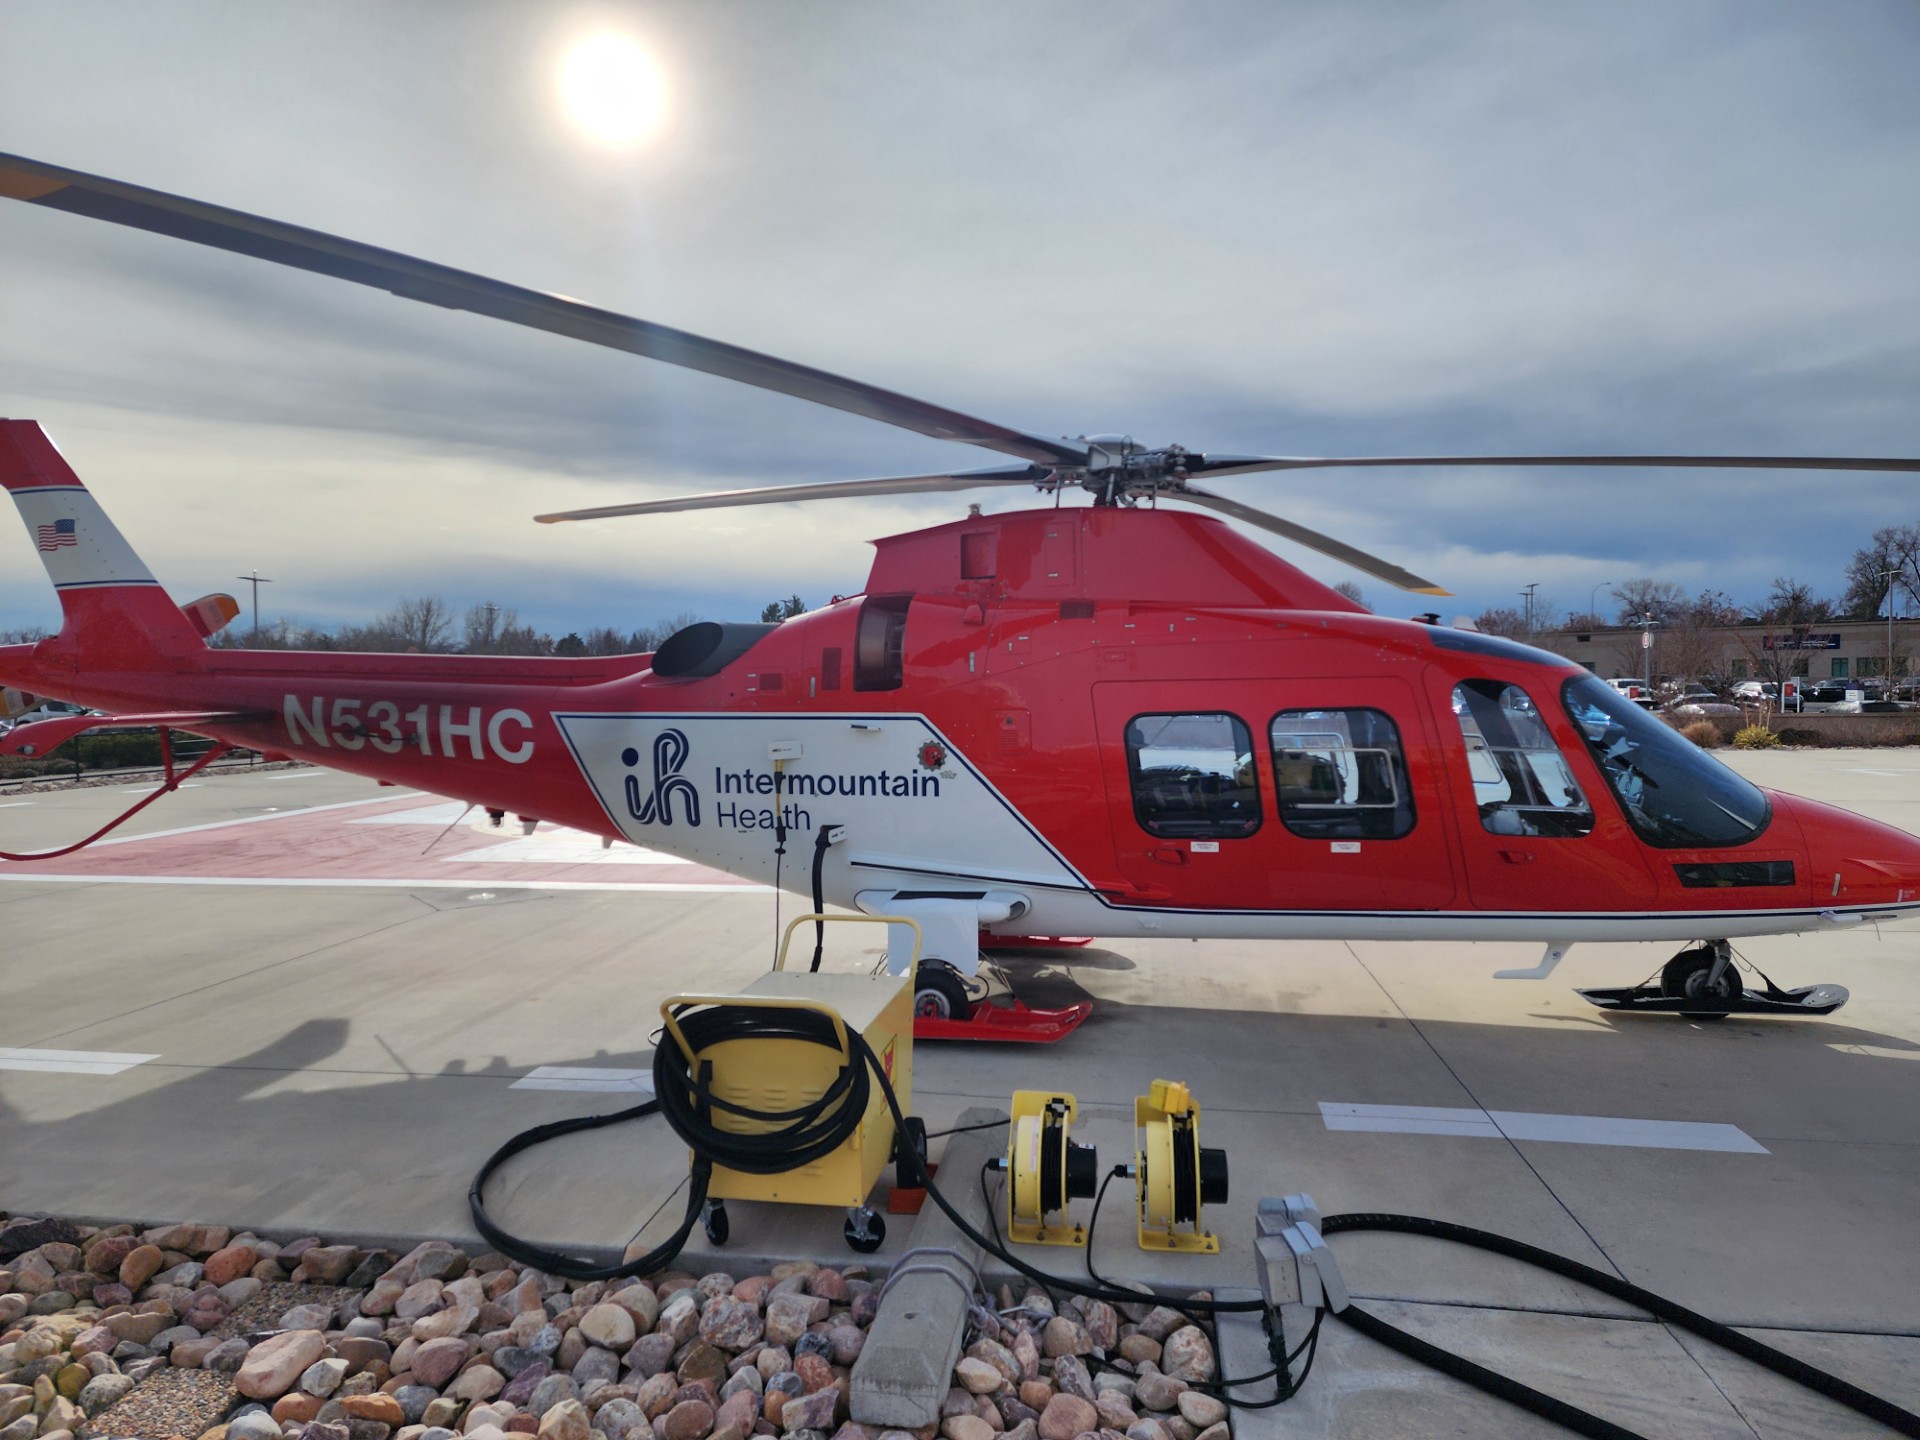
<point x="1046" y="1169"/>
<point x="1174" y="1175"/>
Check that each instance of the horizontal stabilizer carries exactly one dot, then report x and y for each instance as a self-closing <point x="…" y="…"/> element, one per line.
<point x="40" y="736"/>
<point x="211" y="614"/>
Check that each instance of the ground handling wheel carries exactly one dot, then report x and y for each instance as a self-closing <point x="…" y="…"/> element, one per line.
<point x="940" y="992"/>
<point x="1685" y="976"/>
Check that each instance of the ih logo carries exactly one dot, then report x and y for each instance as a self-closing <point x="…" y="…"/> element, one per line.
<point x="670" y="751"/>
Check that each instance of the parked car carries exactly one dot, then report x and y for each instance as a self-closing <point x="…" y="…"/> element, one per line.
<point x="1829" y="699"/>
<point x="45" y="710"/>
<point x="1634" y="690"/>
<point x="1704" y="706"/>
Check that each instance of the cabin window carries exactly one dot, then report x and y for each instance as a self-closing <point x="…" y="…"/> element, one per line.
<point x="1521" y="782"/>
<point x="1193" y="775"/>
<point x="1676" y="795"/>
<point x="1341" y="775"/>
<point x="879" y="643"/>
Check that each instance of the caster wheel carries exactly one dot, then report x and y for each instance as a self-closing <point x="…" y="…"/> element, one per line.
<point x="940" y="992"/>
<point x="1685" y="976"/>
<point x="716" y="1226"/>
<point x="865" y="1235"/>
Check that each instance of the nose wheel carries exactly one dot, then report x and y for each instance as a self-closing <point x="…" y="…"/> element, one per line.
<point x="1707" y="975"/>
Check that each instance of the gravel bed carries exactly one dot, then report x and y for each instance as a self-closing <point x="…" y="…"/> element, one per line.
<point x="197" y="1332"/>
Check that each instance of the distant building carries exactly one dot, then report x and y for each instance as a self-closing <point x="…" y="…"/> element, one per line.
<point x="1717" y="655"/>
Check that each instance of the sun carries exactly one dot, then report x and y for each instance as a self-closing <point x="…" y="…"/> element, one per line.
<point x="612" y="89"/>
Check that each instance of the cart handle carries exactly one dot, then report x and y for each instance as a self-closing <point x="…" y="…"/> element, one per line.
<point x="786" y="938"/>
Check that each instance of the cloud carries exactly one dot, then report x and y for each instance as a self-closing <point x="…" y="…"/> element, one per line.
<point x="1397" y="229"/>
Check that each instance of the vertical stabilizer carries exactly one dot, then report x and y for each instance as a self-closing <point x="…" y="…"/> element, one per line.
<point x="116" y="613"/>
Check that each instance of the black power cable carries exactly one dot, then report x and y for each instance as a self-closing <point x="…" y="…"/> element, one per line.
<point x="1778" y="1361"/>
<point x="556" y="1262"/>
<point x="789" y="1139"/>
<point x="807" y="1132"/>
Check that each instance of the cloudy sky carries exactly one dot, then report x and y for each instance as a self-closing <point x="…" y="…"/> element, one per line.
<point x="1259" y="227"/>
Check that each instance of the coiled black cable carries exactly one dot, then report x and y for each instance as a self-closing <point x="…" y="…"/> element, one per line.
<point x="785" y="1139"/>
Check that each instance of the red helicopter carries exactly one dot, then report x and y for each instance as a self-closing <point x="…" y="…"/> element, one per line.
<point x="1115" y="720"/>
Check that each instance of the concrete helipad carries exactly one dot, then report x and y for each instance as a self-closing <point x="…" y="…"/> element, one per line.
<point x="318" y="1005"/>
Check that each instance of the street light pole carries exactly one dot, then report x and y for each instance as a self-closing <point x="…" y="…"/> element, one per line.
<point x="1646" y="650"/>
<point x="1593" y="598"/>
<point x="255" y="579"/>
<point x="1886" y="681"/>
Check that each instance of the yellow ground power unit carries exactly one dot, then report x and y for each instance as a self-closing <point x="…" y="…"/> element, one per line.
<point x="781" y="1048"/>
<point x="1046" y="1169"/>
<point x="1173" y="1174"/>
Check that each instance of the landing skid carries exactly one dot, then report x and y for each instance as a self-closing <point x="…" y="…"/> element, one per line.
<point x="1703" y="983"/>
<point x="1807" y="1000"/>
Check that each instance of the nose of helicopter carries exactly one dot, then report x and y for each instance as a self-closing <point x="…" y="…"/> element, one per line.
<point x="1853" y="861"/>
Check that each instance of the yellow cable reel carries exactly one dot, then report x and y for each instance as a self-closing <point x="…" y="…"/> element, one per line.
<point x="1173" y="1174"/>
<point x="1046" y="1169"/>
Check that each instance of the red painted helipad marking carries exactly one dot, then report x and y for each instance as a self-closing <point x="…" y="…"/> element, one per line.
<point x="408" y="840"/>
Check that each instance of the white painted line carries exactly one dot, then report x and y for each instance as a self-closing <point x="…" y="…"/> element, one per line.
<point x="561" y="846"/>
<point x="1643" y="1134"/>
<point x="1408" y="1120"/>
<point x="581" y="1077"/>
<point x="253" y="819"/>
<point x="24" y="876"/>
<point x="1525" y="1125"/>
<point x="151" y="789"/>
<point x="440" y="815"/>
<point x="300" y="775"/>
<point x="71" y="1062"/>
<point x="15" y="804"/>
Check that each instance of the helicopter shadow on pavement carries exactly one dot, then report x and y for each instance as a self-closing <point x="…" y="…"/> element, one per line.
<point x="296" y="1136"/>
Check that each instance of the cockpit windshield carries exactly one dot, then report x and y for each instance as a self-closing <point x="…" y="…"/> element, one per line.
<point x="1675" y="795"/>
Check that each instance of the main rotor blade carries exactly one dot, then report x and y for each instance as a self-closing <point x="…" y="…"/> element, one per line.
<point x="1215" y="465"/>
<point x="99" y="198"/>
<point x="1359" y="559"/>
<point x="826" y="490"/>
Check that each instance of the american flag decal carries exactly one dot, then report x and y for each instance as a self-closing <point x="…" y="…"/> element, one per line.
<point x="59" y="533"/>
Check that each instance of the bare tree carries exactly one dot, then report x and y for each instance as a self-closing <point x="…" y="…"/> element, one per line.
<point x="1352" y="591"/>
<point x="1503" y="620"/>
<point x="1662" y="599"/>
<point x="1792" y="603"/>
<point x="1891" y="563"/>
